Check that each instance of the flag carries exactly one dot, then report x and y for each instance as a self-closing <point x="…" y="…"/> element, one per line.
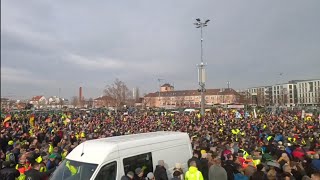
<point x="31" y="120"/>
<point x="8" y="118"/>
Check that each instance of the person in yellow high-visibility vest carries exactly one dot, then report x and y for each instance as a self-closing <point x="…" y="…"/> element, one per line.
<point x="245" y="153"/>
<point x="73" y="170"/>
<point x="50" y="150"/>
<point x="269" y="138"/>
<point x="64" y="154"/>
<point x="43" y="167"/>
<point x="193" y="173"/>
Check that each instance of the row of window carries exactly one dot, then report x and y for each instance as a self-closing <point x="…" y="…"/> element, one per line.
<point x="109" y="171"/>
<point x="196" y="97"/>
<point x="305" y="84"/>
<point x="192" y="103"/>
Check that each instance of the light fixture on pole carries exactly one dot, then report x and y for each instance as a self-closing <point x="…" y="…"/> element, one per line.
<point x="201" y="66"/>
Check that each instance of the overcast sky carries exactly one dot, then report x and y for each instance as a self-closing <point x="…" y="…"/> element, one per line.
<point x="52" y="44"/>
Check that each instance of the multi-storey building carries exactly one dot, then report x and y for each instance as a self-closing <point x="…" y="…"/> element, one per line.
<point x="284" y="94"/>
<point x="167" y="97"/>
<point x="261" y="96"/>
<point x="308" y="92"/>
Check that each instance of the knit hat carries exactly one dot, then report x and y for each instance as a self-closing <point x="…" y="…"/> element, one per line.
<point x="203" y="151"/>
<point x="138" y="171"/>
<point x="131" y="174"/>
<point x="10" y="143"/>
<point x="52" y="156"/>
<point x="178" y="166"/>
<point x="150" y="175"/>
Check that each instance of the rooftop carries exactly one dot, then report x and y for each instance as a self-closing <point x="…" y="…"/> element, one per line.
<point x="166" y="85"/>
<point x="36" y="98"/>
<point x="193" y="93"/>
<point x="95" y="151"/>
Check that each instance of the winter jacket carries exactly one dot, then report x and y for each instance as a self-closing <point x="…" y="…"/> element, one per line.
<point x="316" y="164"/>
<point x="230" y="167"/>
<point x="205" y="168"/>
<point x="217" y="172"/>
<point x="193" y="174"/>
<point x="9" y="174"/>
<point x="36" y="175"/>
<point x="160" y="173"/>
<point x="197" y="162"/>
<point x="240" y="176"/>
<point x="259" y="175"/>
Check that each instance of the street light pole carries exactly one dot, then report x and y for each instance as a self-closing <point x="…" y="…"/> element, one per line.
<point x="201" y="66"/>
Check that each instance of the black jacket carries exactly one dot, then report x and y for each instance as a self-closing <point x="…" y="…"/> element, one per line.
<point x="259" y="175"/>
<point x="160" y="173"/>
<point x="33" y="174"/>
<point x="204" y="168"/>
<point x="231" y="169"/>
<point x="9" y="174"/>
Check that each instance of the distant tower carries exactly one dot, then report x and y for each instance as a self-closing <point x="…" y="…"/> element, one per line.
<point x="134" y="93"/>
<point x="137" y="93"/>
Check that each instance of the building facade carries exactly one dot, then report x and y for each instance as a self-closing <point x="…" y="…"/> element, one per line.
<point x="260" y="96"/>
<point x="284" y="94"/>
<point x="308" y="92"/>
<point x="170" y="98"/>
<point x="38" y="101"/>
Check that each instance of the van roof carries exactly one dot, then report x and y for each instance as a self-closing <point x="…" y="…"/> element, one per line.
<point x="95" y="151"/>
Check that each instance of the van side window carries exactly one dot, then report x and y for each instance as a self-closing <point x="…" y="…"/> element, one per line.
<point x="139" y="161"/>
<point x="108" y="172"/>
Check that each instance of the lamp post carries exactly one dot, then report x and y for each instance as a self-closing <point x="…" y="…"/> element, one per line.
<point x="201" y="66"/>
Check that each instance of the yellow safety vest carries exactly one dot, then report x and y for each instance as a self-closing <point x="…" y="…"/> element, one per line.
<point x="245" y="153"/>
<point x="71" y="168"/>
<point x="50" y="150"/>
<point x="196" y="176"/>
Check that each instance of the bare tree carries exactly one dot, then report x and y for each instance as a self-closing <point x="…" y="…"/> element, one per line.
<point x="119" y="92"/>
<point x="146" y="101"/>
<point x="74" y="101"/>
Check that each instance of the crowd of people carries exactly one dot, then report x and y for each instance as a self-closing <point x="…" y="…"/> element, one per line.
<point x="266" y="145"/>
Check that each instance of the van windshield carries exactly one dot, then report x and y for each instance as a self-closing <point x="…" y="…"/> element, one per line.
<point x="73" y="170"/>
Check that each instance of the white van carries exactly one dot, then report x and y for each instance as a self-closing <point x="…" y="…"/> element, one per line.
<point x="111" y="158"/>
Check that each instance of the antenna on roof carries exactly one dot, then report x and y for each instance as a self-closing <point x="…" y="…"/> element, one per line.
<point x="82" y="152"/>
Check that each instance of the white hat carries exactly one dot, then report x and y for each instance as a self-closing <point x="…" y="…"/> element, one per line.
<point x="280" y="142"/>
<point x="150" y="175"/>
<point x="178" y="166"/>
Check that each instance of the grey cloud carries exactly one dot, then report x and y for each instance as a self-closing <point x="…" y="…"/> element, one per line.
<point x="90" y="43"/>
